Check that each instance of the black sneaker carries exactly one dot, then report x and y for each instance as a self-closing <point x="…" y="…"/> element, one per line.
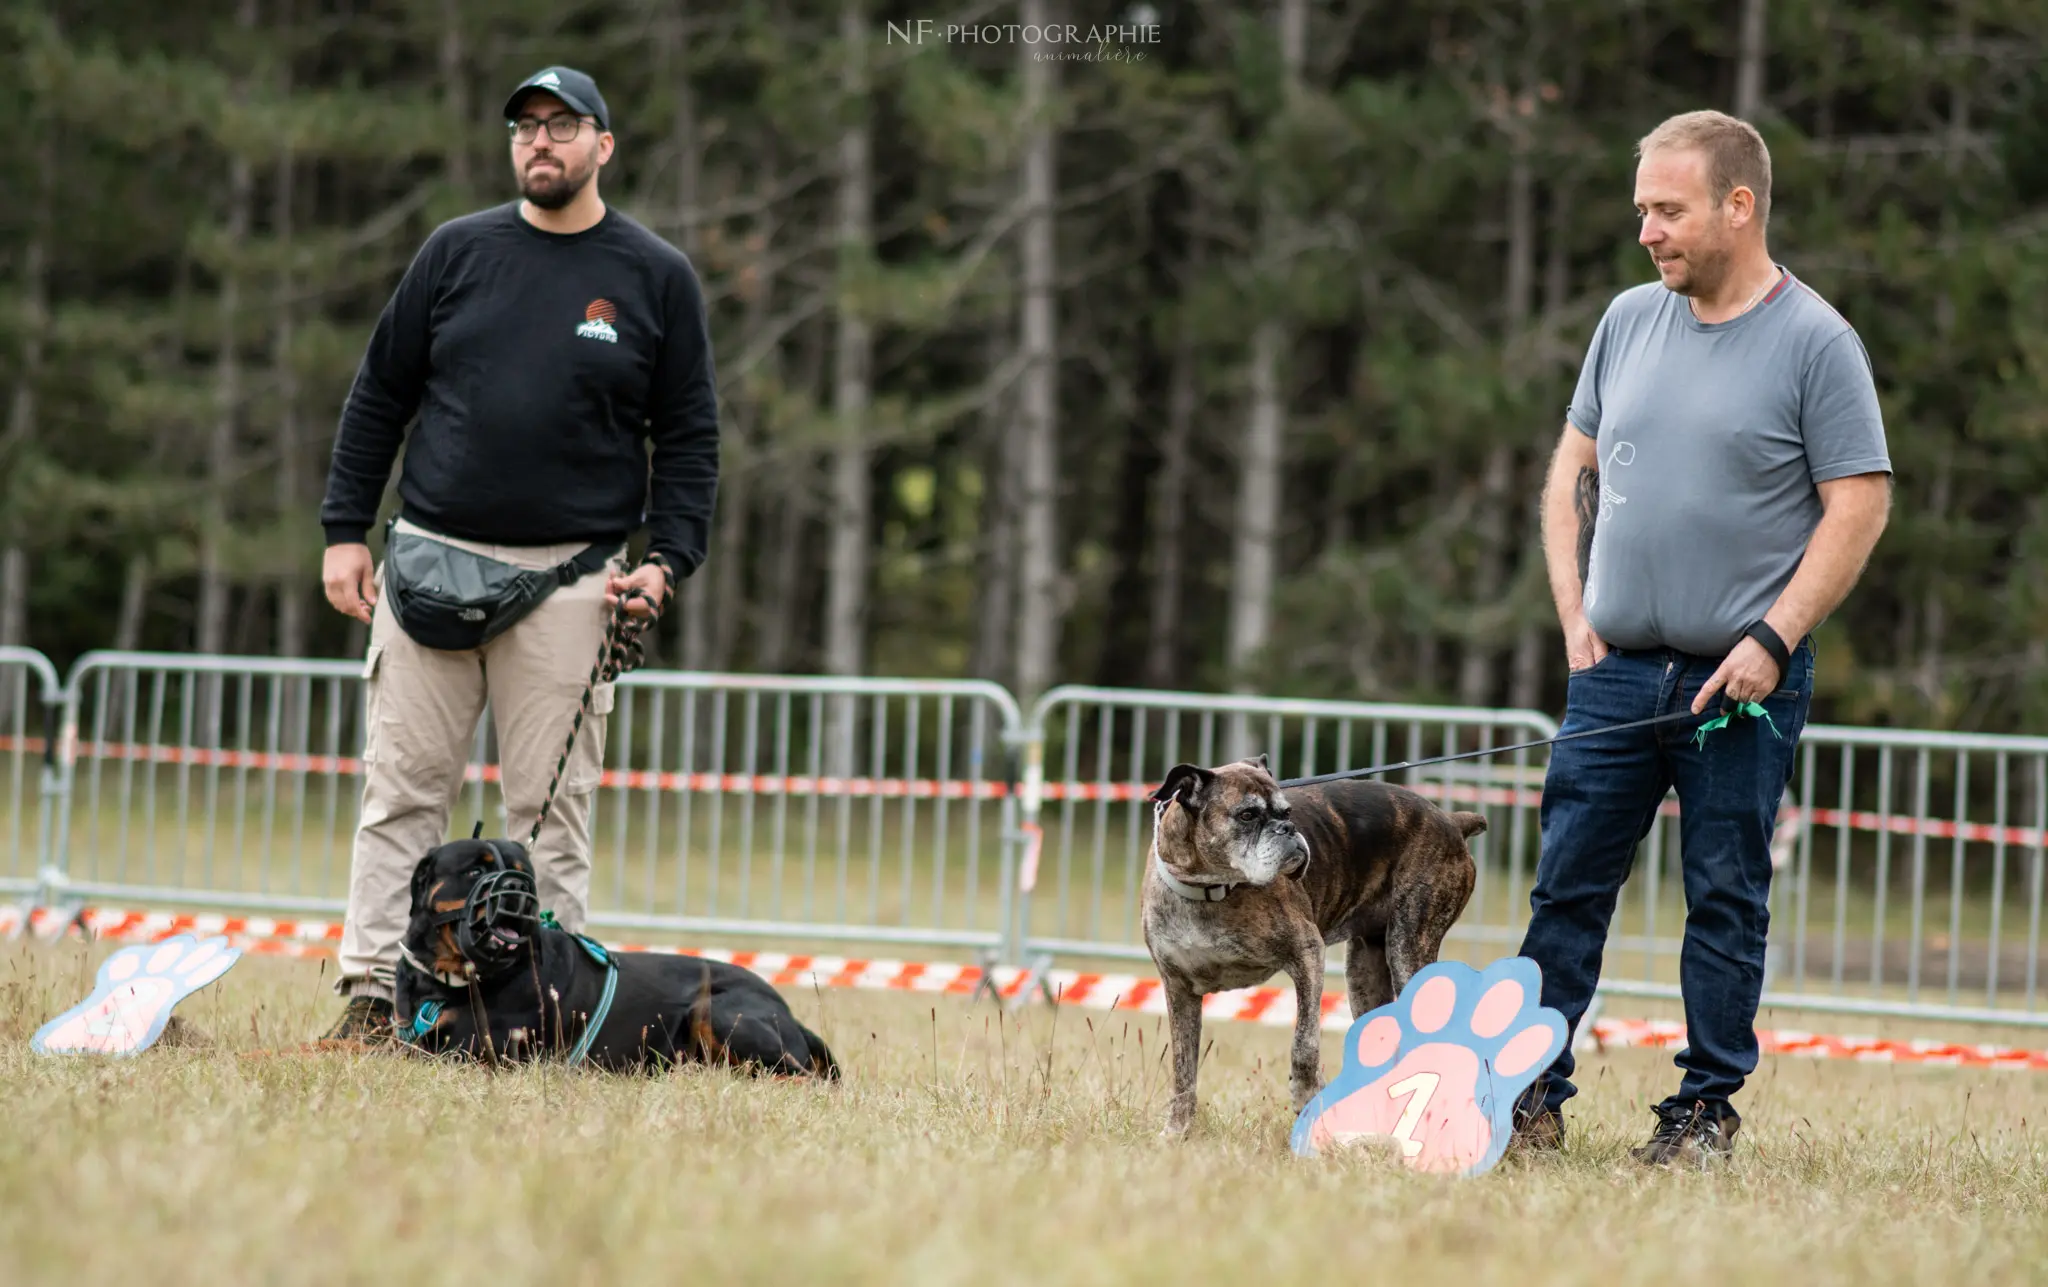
<point x="366" y="1021"/>
<point x="1690" y="1138"/>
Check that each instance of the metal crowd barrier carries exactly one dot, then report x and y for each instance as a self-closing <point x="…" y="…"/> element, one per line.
<point x="876" y="810"/>
<point x="1908" y="882"/>
<point x="1910" y="865"/>
<point x="30" y="780"/>
<point x="227" y="781"/>
<point x="1917" y="883"/>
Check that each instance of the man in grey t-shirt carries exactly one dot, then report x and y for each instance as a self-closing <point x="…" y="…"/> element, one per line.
<point x="1720" y="482"/>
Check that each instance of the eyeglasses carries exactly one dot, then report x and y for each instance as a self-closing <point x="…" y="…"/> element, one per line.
<point x="561" y="128"/>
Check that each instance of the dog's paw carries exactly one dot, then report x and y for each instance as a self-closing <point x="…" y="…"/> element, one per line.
<point x="1438" y="1071"/>
<point x="1303" y="1093"/>
<point x="131" y="1003"/>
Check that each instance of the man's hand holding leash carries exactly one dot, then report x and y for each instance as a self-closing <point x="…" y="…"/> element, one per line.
<point x="651" y="582"/>
<point x="1748" y="674"/>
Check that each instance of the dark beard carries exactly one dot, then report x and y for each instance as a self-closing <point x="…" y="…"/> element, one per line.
<point x="549" y="192"/>
<point x="1709" y="271"/>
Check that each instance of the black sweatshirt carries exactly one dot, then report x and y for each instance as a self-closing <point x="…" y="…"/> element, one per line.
<point x="538" y="364"/>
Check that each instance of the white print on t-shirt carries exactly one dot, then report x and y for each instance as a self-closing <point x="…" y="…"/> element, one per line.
<point x="1609" y="498"/>
<point x="1624" y="454"/>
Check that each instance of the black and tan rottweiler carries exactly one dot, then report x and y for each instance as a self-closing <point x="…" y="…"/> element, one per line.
<point x="485" y="975"/>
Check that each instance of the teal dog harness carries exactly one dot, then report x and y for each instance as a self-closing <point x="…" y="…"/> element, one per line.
<point x="430" y="1011"/>
<point x="604" y="1002"/>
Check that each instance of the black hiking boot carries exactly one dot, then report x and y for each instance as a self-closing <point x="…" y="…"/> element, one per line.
<point x="1536" y="1129"/>
<point x="1541" y="1133"/>
<point x="367" y="1021"/>
<point x="1690" y="1138"/>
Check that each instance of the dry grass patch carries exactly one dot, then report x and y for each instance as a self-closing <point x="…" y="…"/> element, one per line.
<point x="963" y="1147"/>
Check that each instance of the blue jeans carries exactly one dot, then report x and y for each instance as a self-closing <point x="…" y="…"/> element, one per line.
<point x="1600" y="798"/>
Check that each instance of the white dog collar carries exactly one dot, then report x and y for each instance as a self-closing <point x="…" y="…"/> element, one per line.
<point x="448" y="980"/>
<point x="1192" y="892"/>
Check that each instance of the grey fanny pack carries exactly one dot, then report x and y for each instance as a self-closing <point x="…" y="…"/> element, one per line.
<point x="452" y="599"/>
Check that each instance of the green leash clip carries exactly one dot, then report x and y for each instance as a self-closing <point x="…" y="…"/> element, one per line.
<point x="1741" y="708"/>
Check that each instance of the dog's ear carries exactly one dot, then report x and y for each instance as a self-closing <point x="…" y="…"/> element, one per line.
<point x="1259" y="761"/>
<point x="422" y="874"/>
<point x="513" y="855"/>
<point x="1189" y="782"/>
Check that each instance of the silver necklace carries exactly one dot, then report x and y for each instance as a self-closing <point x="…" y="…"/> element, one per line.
<point x="1752" y="299"/>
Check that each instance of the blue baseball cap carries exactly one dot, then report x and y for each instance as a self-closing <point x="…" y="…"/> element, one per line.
<point x="566" y="83"/>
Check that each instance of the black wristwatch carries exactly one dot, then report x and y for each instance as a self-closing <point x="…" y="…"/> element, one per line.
<point x="1760" y="630"/>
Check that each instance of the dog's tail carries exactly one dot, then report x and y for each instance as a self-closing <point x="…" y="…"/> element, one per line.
<point x="1469" y="824"/>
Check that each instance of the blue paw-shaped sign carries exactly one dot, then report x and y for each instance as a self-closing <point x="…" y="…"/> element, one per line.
<point x="138" y="986"/>
<point x="1437" y="1072"/>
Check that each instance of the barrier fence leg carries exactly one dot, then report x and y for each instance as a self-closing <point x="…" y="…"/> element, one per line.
<point x="53" y="825"/>
<point x="52" y="800"/>
<point x="1021" y="843"/>
<point x="1036" y="966"/>
<point x="1582" y="1040"/>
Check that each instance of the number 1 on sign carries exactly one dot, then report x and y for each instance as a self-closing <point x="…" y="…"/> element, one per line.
<point x="1418" y="1088"/>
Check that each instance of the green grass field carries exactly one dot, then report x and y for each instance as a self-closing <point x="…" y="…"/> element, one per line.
<point x="962" y="1147"/>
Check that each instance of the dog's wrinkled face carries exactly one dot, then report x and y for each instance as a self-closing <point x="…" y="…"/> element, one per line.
<point x="1230" y="823"/>
<point x="442" y="883"/>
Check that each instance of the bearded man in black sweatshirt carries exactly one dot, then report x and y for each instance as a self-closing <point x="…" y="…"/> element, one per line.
<point x="542" y="344"/>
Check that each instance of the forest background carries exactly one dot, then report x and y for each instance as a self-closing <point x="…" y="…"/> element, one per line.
<point x="1227" y="351"/>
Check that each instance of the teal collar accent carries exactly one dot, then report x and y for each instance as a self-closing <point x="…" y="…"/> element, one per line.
<point x="604" y="1003"/>
<point x="424" y="1018"/>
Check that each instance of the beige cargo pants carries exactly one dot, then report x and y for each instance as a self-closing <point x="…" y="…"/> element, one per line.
<point x="420" y="716"/>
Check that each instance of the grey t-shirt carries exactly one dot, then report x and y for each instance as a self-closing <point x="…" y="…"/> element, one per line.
<point x="1711" y="440"/>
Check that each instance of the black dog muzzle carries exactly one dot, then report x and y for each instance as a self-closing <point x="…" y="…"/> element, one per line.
<point x="499" y="918"/>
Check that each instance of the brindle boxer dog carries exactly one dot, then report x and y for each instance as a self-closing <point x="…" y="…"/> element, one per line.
<point x="1247" y="880"/>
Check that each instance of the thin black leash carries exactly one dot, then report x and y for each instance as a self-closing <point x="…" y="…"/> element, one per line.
<point x="619" y="653"/>
<point x="1669" y="718"/>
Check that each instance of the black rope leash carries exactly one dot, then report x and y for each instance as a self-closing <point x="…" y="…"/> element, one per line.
<point x="1728" y="711"/>
<point x="620" y="652"/>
